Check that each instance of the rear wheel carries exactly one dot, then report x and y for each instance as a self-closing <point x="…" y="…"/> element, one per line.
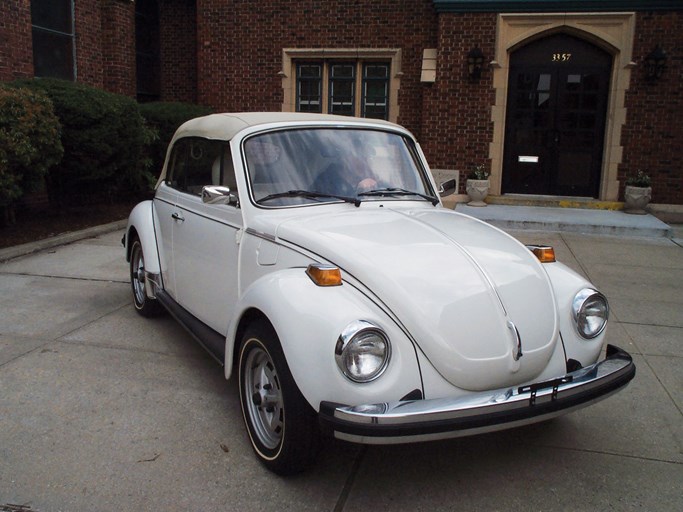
<point x="144" y="305"/>
<point x="281" y="424"/>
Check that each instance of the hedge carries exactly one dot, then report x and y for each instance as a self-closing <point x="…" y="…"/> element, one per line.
<point x="103" y="136"/>
<point x="29" y="144"/>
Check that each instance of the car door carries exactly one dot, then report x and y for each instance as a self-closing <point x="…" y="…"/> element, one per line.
<point x="205" y="237"/>
<point x="164" y="203"/>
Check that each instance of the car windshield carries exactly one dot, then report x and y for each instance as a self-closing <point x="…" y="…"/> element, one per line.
<point x="305" y="166"/>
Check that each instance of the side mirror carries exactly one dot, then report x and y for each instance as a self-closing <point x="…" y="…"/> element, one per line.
<point x="447" y="188"/>
<point x="212" y="194"/>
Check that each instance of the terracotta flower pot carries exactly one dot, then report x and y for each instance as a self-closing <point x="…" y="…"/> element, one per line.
<point x="636" y="199"/>
<point x="477" y="190"/>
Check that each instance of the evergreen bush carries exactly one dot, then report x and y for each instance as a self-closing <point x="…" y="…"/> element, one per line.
<point x="103" y="136"/>
<point x="29" y="145"/>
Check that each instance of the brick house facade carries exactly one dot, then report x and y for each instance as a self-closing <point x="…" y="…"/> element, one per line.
<point x="245" y="56"/>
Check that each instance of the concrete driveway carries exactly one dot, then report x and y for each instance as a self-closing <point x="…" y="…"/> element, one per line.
<point x="102" y="410"/>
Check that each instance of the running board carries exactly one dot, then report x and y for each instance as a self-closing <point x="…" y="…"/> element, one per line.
<point x="213" y="342"/>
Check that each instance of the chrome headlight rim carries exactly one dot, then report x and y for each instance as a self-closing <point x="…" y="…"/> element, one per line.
<point x="581" y="299"/>
<point x="352" y="333"/>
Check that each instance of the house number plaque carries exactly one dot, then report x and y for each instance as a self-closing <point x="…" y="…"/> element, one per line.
<point x="562" y="57"/>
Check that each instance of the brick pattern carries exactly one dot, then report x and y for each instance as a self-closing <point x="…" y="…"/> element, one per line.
<point x="228" y="54"/>
<point x="240" y="46"/>
<point x="653" y="134"/>
<point x="118" y="46"/>
<point x="456" y="109"/>
<point x="88" y="23"/>
<point x="178" y="47"/>
<point x="16" y="48"/>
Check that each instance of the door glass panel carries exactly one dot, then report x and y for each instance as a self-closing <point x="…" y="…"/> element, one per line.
<point x="544" y="82"/>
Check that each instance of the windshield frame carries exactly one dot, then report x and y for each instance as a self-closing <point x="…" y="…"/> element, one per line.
<point x="409" y="143"/>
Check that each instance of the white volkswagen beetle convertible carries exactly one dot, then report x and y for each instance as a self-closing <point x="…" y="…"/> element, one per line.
<point x="311" y="255"/>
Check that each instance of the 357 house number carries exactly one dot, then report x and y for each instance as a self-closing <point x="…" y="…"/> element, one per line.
<point x="562" y="57"/>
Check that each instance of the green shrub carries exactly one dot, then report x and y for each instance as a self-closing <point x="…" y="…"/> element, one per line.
<point x="165" y="118"/>
<point x="29" y="144"/>
<point x="103" y="135"/>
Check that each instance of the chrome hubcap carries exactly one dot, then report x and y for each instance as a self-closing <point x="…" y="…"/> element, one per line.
<point x="138" y="275"/>
<point x="264" y="398"/>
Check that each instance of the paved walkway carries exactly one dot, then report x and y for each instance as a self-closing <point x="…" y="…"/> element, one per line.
<point x="102" y="410"/>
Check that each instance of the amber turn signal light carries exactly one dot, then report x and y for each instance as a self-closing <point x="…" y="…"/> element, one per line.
<point x="324" y="275"/>
<point x="544" y="253"/>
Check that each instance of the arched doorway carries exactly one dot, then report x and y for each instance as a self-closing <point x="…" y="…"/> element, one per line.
<point x="555" y="117"/>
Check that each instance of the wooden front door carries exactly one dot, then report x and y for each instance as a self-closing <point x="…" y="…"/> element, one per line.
<point x="555" y="122"/>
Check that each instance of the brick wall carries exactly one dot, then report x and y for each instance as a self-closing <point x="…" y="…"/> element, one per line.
<point x="653" y="134"/>
<point x="118" y="46"/>
<point x="228" y="53"/>
<point x="105" y="43"/>
<point x="88" y="23"/>
<point x="16" y="50"/>
<point x="178" y="42"/>
<point x="456" y="109"/>
<point x="240" y="45"/>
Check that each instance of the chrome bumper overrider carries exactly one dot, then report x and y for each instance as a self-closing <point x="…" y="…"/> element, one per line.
<point x="423" y="420"/>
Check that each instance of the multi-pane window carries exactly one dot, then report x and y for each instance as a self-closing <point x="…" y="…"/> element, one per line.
<point x="53" y="38"/>
<point x="342" y="88"/>
<point x="375" y="91"/>
<point x="334" y="87"/>
<point x="309" y="88"/>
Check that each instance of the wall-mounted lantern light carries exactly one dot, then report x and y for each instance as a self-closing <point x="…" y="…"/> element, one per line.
<point x="475" y="63"/>
<point x="655" y="64"/>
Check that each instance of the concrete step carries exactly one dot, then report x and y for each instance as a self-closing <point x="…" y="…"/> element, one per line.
<point x="577" y="220"/>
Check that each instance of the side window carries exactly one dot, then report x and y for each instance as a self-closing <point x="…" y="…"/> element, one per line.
<point x="196" y="162"/>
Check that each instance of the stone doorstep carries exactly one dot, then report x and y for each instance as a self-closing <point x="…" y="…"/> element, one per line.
<point x="555" y="202"/>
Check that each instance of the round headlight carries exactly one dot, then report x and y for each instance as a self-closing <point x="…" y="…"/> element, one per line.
<point x="362" y="351"/>
<point x="590" y="312"/>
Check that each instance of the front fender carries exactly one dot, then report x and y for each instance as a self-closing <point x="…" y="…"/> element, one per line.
<point x="308" y="319"/>
<point x="566" y="284"/>
<point x="141" y="221"/>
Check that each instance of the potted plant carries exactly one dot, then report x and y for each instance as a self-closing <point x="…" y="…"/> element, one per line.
<point x="637" y="194"/>
<point x="477" y="186"/>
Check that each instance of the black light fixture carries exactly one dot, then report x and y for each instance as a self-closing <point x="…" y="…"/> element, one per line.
<point x="655" y="64"/>
<point x="475" y="63"/>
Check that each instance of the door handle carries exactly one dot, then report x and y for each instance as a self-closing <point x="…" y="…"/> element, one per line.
<point x="178" y="216"/>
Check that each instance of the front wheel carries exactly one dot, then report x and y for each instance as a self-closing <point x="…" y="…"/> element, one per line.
<point x="281" y="424"/>
<point x="144" y="305"/>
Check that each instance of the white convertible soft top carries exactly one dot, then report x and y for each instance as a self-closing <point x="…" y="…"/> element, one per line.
<point x="225" y="126"/>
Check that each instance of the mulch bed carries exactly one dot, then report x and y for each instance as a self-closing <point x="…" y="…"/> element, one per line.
<point x="32" y="225"/>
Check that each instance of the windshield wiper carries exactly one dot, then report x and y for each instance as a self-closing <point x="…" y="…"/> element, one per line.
<point x="311" y="195"/>
<point x="399" y="192"/>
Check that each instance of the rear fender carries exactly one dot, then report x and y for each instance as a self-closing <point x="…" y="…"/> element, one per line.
<point x="308" y="320"/>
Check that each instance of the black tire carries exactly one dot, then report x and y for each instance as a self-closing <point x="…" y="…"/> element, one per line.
<point x="143" y="305"/>
<point x="282" y="426"/>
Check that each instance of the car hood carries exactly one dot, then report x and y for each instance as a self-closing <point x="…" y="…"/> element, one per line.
<point x="470" y="295"/>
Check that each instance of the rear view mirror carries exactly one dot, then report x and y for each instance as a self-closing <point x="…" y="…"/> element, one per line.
<point x="447" y="188"/>
<point x="219" y="195"/>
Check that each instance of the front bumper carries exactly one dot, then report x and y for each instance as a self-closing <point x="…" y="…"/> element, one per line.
<point x="424" y="420"/>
